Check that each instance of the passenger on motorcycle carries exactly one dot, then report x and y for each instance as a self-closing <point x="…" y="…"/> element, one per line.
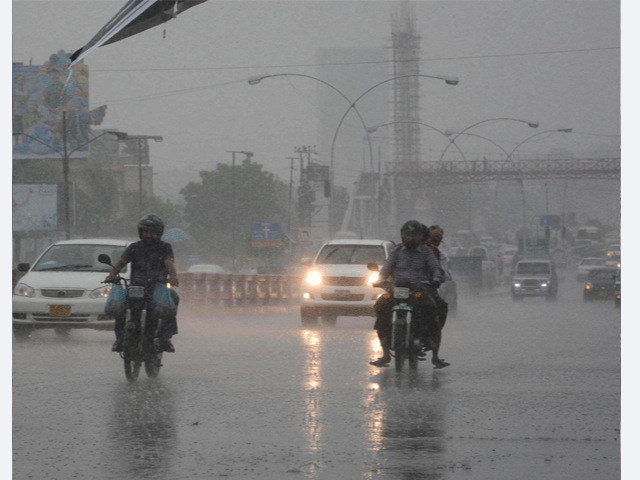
<point x="150" y="258"/>
<point x="416" y="262"/>
<point x="434" y="239"/>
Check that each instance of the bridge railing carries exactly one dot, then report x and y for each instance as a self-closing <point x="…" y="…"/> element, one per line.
<point x="206" y="290"/>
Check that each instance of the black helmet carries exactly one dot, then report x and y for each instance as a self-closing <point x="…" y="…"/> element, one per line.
<point x="412" y="233"/>
<point x="152" y="222"/>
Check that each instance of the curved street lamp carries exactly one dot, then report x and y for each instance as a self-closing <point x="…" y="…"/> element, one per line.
<point x="66" y="154"/>
<point x="448" y="80"/>
<point x="254" y="80"/>
<point x="529" y="123"/>
<point x="376" y="127"/>
<point x="561" y="130"/>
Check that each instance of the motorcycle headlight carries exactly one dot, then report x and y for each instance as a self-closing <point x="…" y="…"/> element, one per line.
<point x="101" y="292"/>
<point x="314" y="278"/>
<point x="401" y="293"/>
<point x="24" y="290"/>
<point x="373" y="278"/>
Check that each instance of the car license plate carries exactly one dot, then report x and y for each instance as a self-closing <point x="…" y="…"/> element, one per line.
<point x="59" y="310"/>
<point x="343" y="294"/>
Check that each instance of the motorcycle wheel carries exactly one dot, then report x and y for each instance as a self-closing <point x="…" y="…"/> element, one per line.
<point x="414" y="353"/>
<point x="130" y="356"/>
<point x="152" y="365"/>
<point x="131" y="369"/>
<point x="399" y="346"/>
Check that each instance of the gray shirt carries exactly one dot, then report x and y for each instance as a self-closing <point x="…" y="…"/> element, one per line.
<point x="415" y="264"/>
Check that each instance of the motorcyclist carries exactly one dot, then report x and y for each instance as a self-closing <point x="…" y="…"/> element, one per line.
<point x="416" y="262"/>
<point x="150" y="257"/>
<point x="434" y="239"/>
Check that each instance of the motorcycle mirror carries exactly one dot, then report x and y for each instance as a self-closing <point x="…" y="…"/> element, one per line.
<point x="373" y="267"/>
<point x="104" y="258"/>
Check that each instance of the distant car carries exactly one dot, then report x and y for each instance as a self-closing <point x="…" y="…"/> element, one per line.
<point x="338" y="282"/>
<point x="612" y="258"/>
<point x="586" y="265"/>
<point x="63" y="289"/>
<point x="617" y="291"/>
<point x="534" y="277"/>
<point x="600" y="284"/>
<point x="205" y="268"/>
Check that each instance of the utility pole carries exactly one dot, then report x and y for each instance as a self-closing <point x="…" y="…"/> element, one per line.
<point x="290" y="196"/>
<point x="233" y="203"/>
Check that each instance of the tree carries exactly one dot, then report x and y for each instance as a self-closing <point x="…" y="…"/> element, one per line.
<point x="259" y="197"/>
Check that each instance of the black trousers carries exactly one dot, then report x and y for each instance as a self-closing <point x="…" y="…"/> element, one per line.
<point x="426" y="309"/>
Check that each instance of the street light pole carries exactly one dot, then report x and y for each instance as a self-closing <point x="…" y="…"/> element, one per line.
<point x="529" y="124"/>
<point x="560" y="130"/>
<point x="65" y="154"/>
<point x="233" y="203"/>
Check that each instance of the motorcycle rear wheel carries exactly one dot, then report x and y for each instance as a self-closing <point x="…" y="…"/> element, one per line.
<point x="414" y="353"/>
<point x="399" y="346"/>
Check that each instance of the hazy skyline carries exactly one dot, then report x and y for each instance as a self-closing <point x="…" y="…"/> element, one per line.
<point x="557" y="63"/>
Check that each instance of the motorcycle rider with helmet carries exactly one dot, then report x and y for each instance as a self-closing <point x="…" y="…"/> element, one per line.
<point x="413" y="260"/>
<point x="150" y="257"/>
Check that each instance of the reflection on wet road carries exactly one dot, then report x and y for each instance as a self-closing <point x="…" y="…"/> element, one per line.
<point x="143" y="434"/>
<point x="533" y="392"/>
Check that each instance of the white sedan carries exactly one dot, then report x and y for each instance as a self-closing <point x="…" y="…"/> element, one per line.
<point x="63" y="289"/>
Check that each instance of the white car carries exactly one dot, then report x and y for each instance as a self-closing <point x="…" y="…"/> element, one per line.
<point x="204" y="268"/>
<point x="63" y="289"/>
<point x="338" y="281"/>
<point x="586" y="265"/>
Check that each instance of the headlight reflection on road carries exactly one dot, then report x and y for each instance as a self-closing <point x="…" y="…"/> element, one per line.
<point x="312" y="382"/>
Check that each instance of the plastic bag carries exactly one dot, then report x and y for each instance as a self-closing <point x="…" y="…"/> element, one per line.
<point x="116" y="301"/>
<point x="163" y="303"/>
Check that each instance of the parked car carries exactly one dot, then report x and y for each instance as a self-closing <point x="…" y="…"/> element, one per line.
<point x="600" y="284"/>
<point x="534" y="277"/>
<point x="586" y="265"/>
<point x="63" y="289"/>
<point x="338" y="281"/>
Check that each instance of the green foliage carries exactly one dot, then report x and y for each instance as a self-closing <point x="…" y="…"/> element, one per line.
<point x="213" y="214"/>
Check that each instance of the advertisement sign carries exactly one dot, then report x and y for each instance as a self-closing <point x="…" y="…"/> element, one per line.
<point x="265" y="234"/>
<point x="305" y="235"/>
<point x="35" y="208"/>
<point x="42" y="95"/>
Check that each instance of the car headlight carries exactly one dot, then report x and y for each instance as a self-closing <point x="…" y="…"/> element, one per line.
<point x="517" y="285"/>
<point x="373" y="278"/>
<point x="544" y="284"/>
<point x="24" y="290"/>
<point x="101" y="292"/>
<point x="314" y="278"/>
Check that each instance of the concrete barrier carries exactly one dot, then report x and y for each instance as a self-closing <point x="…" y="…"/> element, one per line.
<point x="207" y="290"/>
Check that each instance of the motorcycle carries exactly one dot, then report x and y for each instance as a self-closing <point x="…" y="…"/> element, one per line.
<point x="142" y="342"/>
<point x="406" y="326"/>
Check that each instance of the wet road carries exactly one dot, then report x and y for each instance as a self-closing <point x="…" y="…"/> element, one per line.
<point x="533" y="392"/>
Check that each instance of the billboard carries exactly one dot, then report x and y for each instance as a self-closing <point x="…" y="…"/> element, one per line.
<point x="42" y="97"/>
<point x="35" y="208"/>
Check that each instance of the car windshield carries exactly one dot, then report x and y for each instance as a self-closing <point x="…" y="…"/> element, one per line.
<point x="83" y="258"/>
<point x="533" y="268"/>
<point x="593" y="261"/>
<point x="602" y="275"/>
<point x="351" y="254"/>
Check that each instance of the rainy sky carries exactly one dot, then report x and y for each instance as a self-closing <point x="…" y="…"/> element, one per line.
<point x="554" y="62"/>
